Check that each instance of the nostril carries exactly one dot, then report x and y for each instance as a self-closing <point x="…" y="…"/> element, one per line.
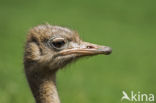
<point x="90" y="47"/>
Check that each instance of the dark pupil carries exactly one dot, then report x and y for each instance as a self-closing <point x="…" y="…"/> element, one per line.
<point x="58" y="44"/>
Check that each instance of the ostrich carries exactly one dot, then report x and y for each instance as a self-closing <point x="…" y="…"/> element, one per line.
<point x="49" y="48"/>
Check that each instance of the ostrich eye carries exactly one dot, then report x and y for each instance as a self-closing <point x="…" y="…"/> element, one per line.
<point x="57" y="43"/>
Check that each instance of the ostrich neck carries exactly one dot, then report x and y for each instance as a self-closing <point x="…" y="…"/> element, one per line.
<point x="43" y="87"/>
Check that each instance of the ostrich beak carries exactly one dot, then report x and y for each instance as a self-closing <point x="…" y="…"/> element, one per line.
<point x="86" y="49"/>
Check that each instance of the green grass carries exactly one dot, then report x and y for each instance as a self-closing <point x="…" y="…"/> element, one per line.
<point x="128" y="26"/>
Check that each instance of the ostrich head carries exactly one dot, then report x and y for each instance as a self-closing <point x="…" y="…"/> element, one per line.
<point x="49" y="48"/>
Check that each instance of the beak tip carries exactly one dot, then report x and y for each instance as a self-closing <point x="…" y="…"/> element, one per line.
<point x="107" y="50"/>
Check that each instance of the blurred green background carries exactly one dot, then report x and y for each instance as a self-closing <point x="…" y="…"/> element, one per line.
<point x="128" y="26"/>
